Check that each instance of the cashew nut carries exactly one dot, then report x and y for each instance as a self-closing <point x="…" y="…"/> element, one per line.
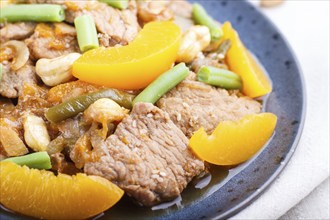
<point x="105" y="110"/>
<point x="56" y="71"/>
<point x="196" y="39"/>
<point x="35" y="133"/>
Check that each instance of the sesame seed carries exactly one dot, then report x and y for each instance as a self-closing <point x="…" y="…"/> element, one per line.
<point x="149" y="115"/>
<point x="163" y="174"/>
<point x="134" y="124"/>
<point x="178" y="117"/>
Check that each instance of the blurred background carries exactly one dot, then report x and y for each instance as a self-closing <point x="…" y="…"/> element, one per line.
<point x="302" y="189"/>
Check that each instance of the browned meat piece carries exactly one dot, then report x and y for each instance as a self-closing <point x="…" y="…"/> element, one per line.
<point x="12" y="81"/>
<point x="147" y="156"/>
<point x="16" y="31"/>
<point x="60" y="165"/>
<point x="116" y="26"/>
<point x="193" y="104"/>
<point x="6" y="107"/>
<point x="32" y="99"/>
<point x="106" y="41"/>
<point x="52" y="40"/>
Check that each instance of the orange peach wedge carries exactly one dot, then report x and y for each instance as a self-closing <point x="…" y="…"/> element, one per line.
<point x="41" y="194"/>
<point x="136" y="65"/>
<point x="240" y="61"/>
<point x="234" y="142"/>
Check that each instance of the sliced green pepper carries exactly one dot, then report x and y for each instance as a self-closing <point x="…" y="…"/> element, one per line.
<point x="78" y="104"/>
<point x="39" y="160"/>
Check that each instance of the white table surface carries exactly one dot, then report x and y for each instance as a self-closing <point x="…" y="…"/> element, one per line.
<point x="305" y="24"/>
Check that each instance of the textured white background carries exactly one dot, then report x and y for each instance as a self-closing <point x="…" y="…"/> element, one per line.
<point x="305" y="24"/>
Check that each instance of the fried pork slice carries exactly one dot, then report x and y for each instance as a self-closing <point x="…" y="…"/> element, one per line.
<point x="114" y="26"/>
<point x="193" y="104"/>
<point x="52" y="40"/>
<point x="147" y="156"/>
<point x="12" y="82"/>
<point x="16" y="31"/>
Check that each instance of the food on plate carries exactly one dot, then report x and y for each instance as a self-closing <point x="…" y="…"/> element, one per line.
<point x="39" y="160"/>
<point x="241" y="62"/>
<point x="86" y="33"/>
<point x="41" y="194"/>
<point x="133" y="66"/>
<point x="224" y="145"/>
<point x="104" y="98"/>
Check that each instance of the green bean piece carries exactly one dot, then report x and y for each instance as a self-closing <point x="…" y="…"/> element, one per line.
<point x="79" y="104"/>
<point x="219" y="77"/>
<point x="39" y="160"/>
<point x="201" y="17"/>
<point x="120" y="4"/>
<point x="163" y="84"/>
<point x="32" y="12"/>
<point x="86" y="33"/>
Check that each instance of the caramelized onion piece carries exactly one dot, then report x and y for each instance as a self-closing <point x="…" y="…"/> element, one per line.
<point x="21" y="53"/>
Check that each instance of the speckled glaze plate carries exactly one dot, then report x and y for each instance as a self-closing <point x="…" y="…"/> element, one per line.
<point x="231" y="189"/>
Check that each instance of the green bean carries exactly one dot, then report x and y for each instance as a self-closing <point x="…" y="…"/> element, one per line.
<point x="120" y="4"/>
<point x="39" y="160"/>
<point x="201" y="17"/>
<point x="78" y="104"/>
<point x="86" y="33"/>
<point x="219" y="77"/>
<point x="31" y="12"/>
<point x="163" y="84"/>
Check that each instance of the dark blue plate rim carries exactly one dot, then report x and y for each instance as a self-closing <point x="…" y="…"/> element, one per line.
<point x="242" y="205"/>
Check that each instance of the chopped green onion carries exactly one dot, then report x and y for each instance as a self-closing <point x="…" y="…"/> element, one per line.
<point x="219" y="77"/>
<point x="163" y="84"/>
<point x="120" y="4"/>
<point x="31" y="12"/>
<point x="79" y="104"/>
<point x="39" y="160"/>
<point x="86" y="33"/>
<point x="201" y="17"/>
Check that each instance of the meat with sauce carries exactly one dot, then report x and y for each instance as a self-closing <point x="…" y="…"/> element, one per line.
<point x="114" y="26"/>
<point x="193" y="104"/>
<point x="16" y="31"/>
<point x="12" y="82"/>
<point x="52" y="40"/>
<point x="147" y="156"/>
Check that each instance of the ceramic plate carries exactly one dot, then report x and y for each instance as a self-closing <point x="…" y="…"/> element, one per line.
<point x="229" y="190"/>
